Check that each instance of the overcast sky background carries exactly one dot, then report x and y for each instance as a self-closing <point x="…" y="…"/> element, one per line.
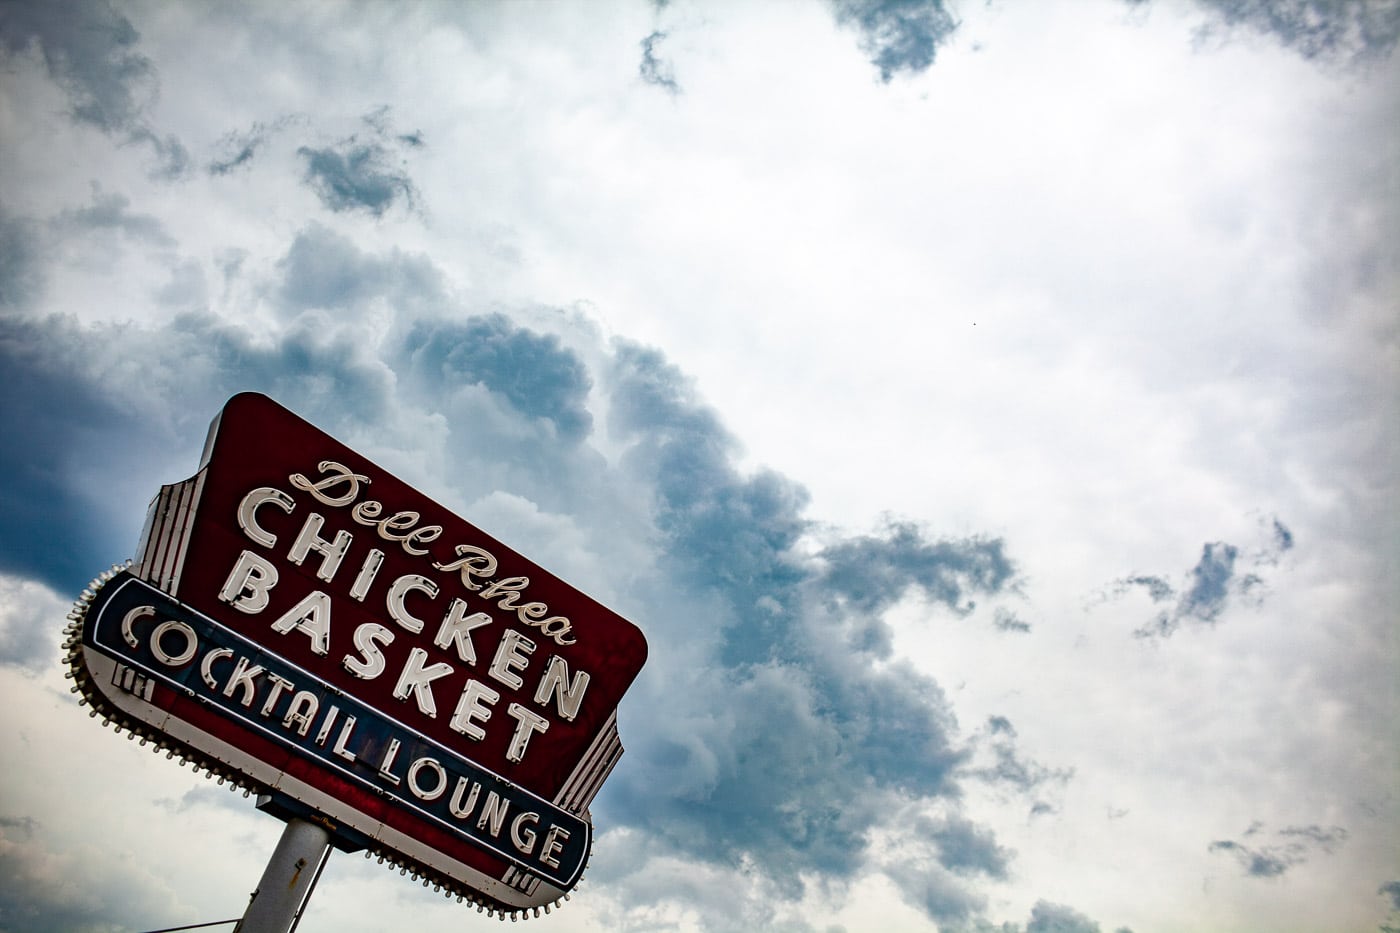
<point x="987" y="410"/>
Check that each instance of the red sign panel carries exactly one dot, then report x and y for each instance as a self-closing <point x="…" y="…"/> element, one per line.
<point x="306" y="624"/>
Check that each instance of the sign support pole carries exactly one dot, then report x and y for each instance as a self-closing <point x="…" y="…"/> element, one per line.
<point x="287" y="881"/>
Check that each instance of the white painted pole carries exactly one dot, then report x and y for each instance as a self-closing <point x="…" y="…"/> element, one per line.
<point x="287" y="881"/>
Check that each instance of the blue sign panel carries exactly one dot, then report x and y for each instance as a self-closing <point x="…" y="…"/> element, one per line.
<point x="258" y="691"/>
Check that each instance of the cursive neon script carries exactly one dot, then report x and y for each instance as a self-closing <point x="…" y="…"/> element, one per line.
<point x="338" y="486"/>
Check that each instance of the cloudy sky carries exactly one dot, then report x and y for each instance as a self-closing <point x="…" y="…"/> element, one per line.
<point x="988" y="410"/>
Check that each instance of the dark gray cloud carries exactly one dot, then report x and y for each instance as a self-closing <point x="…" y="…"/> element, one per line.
<point x="1057" y="918"/>
<point x="380" y="122"/>
<point x="802" y="744"/>
<point x="871" y="573"/>
<point x="52" y="419"/>
<point x="1007" y="766"/>
<point x="961" y="849"/>
<point x="87" y="413"/>
<point x="776" y="799"/>
<point x="1163" y="626"/>
<point x="1281" y="543"/>
<point x="655" y="70"/>
<point x="1209" y="583"/>
<point x="898" y="35"/>
<point x="639" y="872"/>
<point x="1260" y="863"/>
<point x="1158" y="590"/>
<point x="1048" y="918"/>
<point x="187" y="289"/>
<point x="357" y="176"/>
<point x="172" y="158"/>
<point x="966" y="848"/>
<point x="238" y="149"/>
<point x="324" y="270"/>
<point x="1314" y="836"/>
<point x="939" y="895"/>
<point x="812" y="744"/>
<point x="1322" y="30"/>
<point x="241" y="154"/>
<point x="1222" y="574"/>
<point x="725" y="534"/>
<point x="1007" y="621"/>
<point x="1390" y="890"/>
<point x="21" y="261"/>
<point x="91" y="52"/>
<point x="1208" y="588"/>
<point x="534" y="372"/>
<point x="331" y="378"/>
<point x="1292" y="846"/>
<point x="111" y="213"/>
